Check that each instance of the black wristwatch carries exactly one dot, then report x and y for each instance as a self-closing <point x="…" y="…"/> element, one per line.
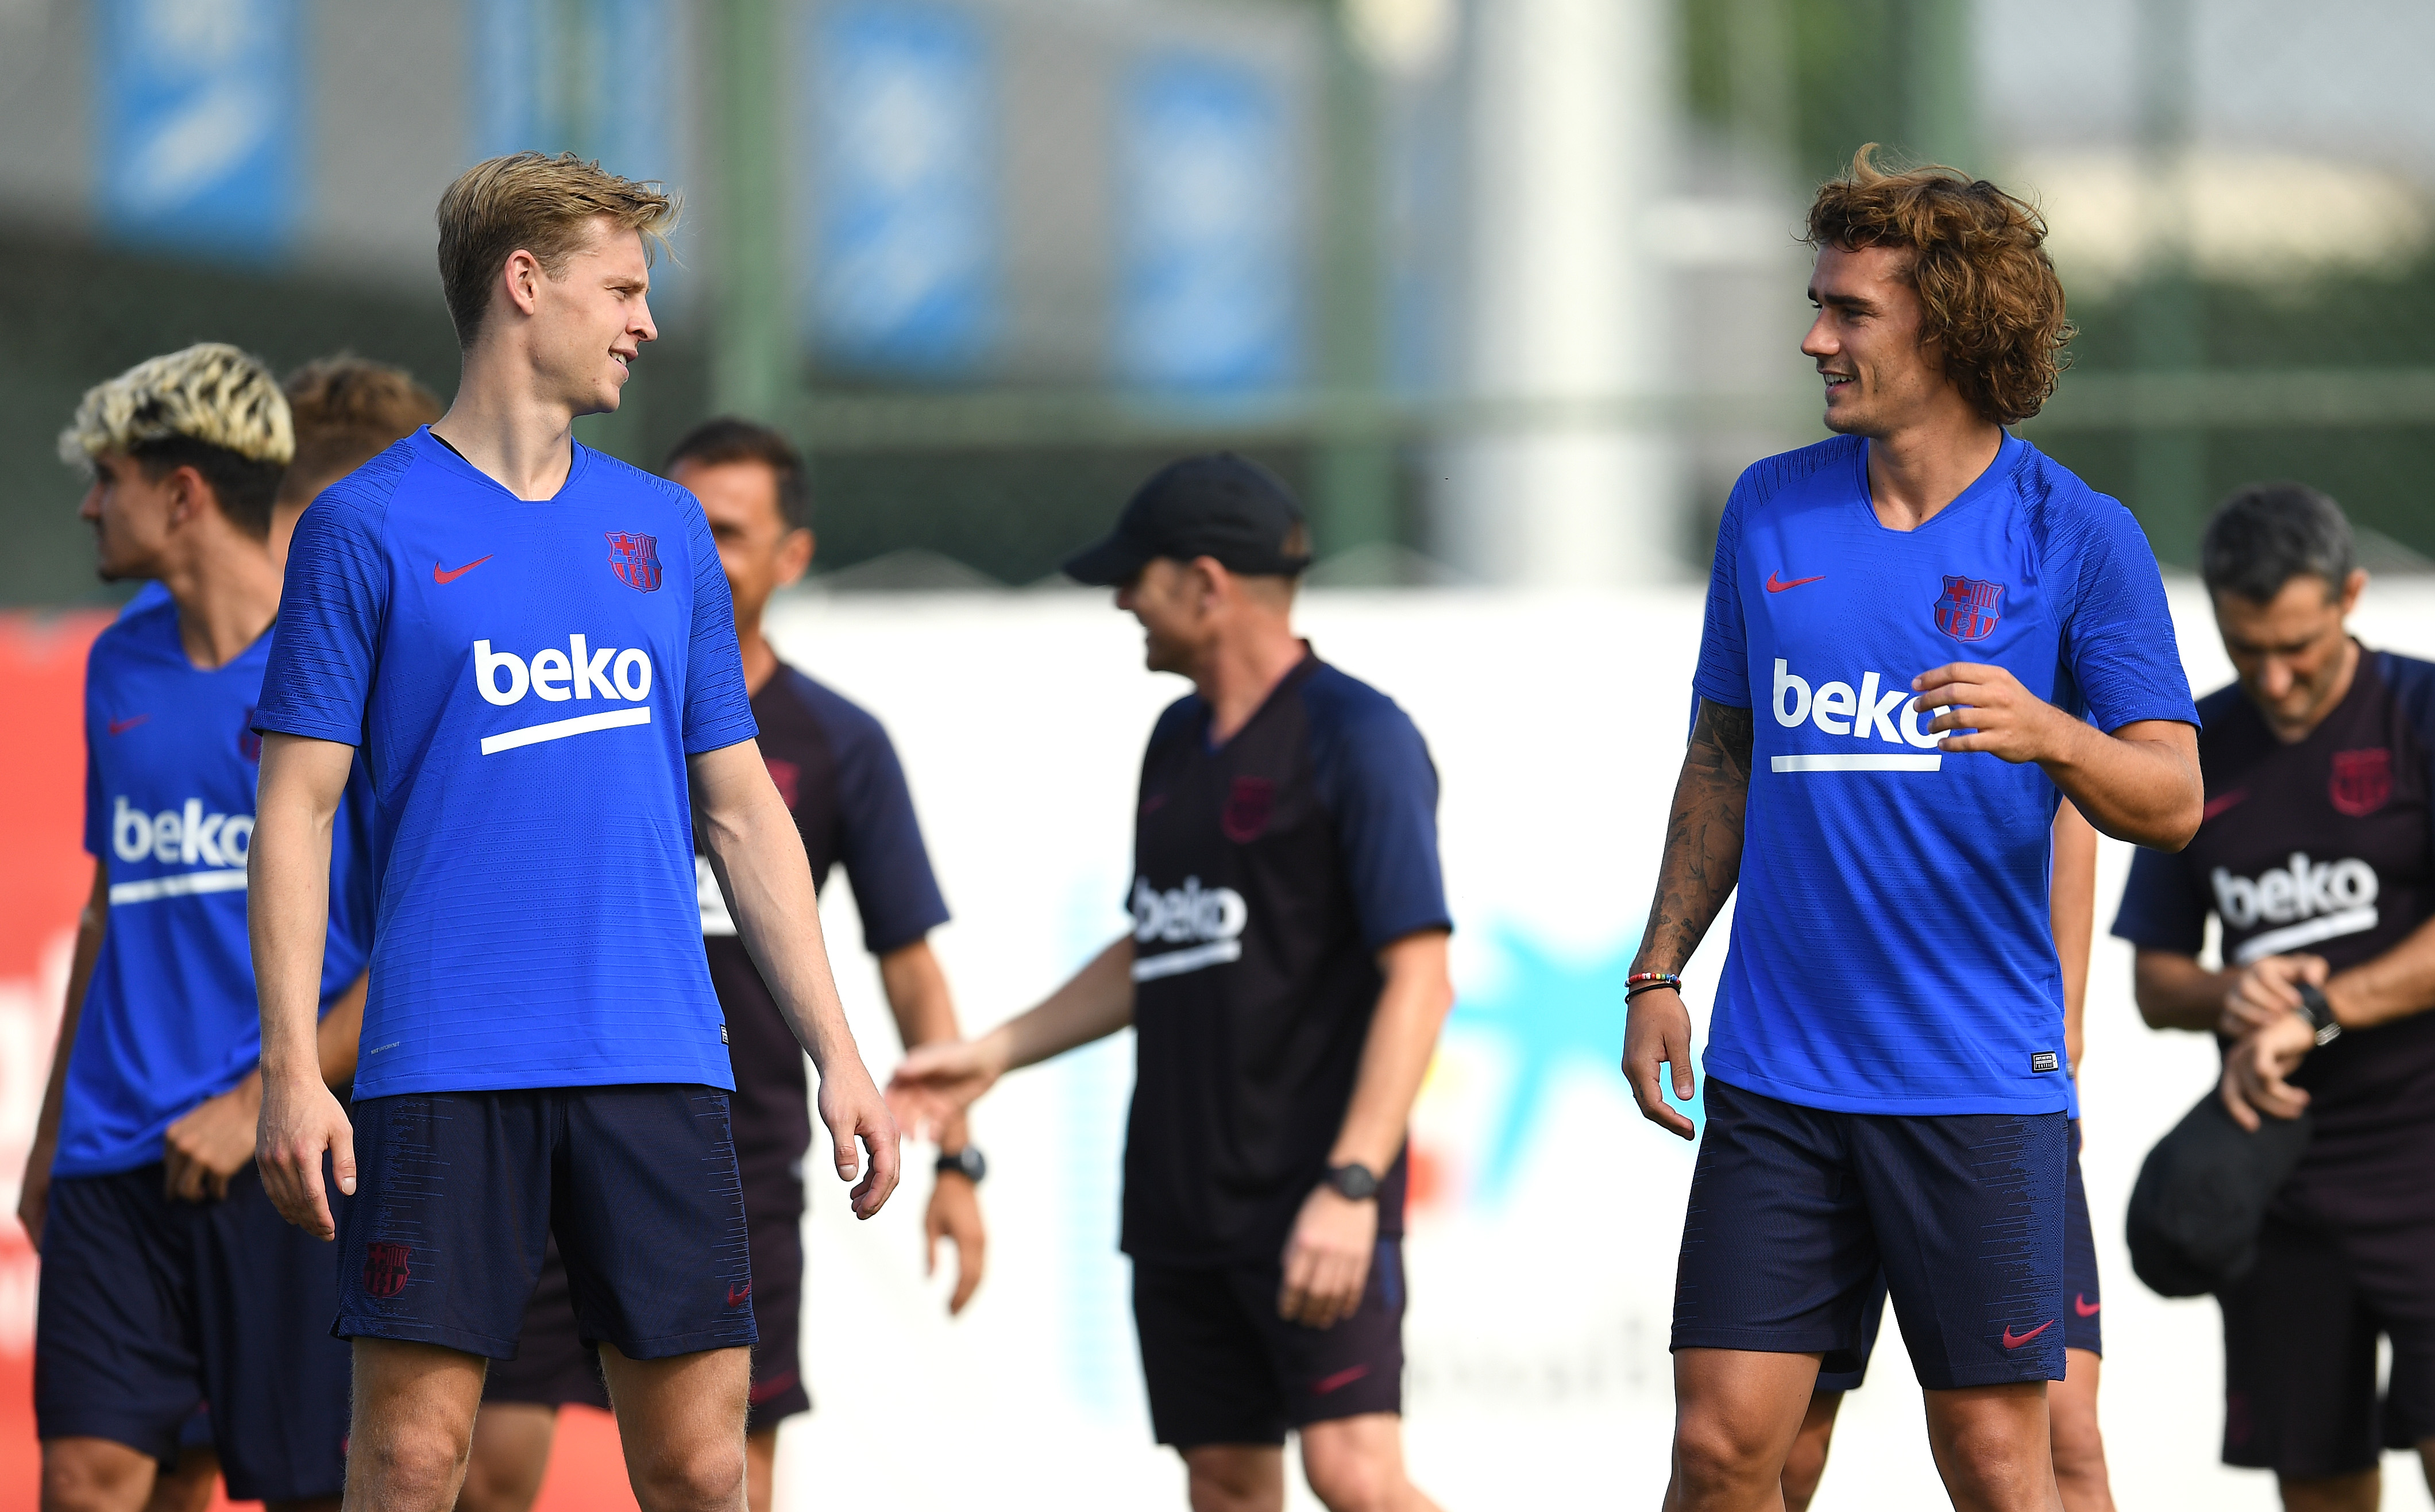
<point x="2318" y="1013"/>
<point x="966" y="1162"/>
<point x="1353" y="1183"/>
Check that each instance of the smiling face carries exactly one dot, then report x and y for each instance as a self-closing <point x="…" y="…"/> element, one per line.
<point x="1170" y="599"/>
<point x="1866" y="341"/>
<point x="589" y="321"/>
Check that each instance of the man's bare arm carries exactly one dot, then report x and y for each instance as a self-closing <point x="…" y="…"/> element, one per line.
<point x="287" y="913"/>
<point x="2072" y="904"/>
<point x="2173" y="991"/>
<point x="1327" y="1256"/>
<point x="2139" y="783"/>
<point x="939" y="1081"/>
<point x="34" y="1192"/>
<point x="2396" y="984"/>
<point x="1701" y="862"/>
<point x="758" y="857"/>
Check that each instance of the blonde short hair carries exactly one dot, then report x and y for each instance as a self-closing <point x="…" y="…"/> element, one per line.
<point x="533" y="203"/>
<point x="210" y="393"/>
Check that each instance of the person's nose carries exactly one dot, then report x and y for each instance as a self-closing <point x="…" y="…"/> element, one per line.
<point x="643" y="328"/>
<point x="90" y="509"/>
<point x="1819" y="341"/>
<point x="2275" y="678"/>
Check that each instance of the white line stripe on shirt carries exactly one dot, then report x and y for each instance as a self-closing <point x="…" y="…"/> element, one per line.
<point x="231" y="879"/>
<point x="561" y="729"/>
<point x="1930" y="762"/>
<point x="2324" y="926"/>
<point x="1176" y="963"/>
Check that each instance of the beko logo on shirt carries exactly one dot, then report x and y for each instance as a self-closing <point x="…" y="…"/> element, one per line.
<point x="555" y="676"/>
<point x="1214" y="917"/>
<point x="1862" y="714"/>
<point x="186" y="836"/>
<point x="2311" y="900"/>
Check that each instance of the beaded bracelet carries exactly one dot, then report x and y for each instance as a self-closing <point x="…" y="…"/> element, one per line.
<point x="1640" y="981"/>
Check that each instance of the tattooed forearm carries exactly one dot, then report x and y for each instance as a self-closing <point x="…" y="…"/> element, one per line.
<point x="1703" y="839"/>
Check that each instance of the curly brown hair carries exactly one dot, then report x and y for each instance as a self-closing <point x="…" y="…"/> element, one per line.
<point x="1989" y="298"/>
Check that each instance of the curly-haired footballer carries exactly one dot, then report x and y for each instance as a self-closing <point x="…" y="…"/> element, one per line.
<point x="1922" y="636"/>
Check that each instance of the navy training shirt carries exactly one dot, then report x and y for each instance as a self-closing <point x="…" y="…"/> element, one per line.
<point x="1893" y="941"/>
<point x="836" y="767"/>
<point x="525" y="680"/>
<point x="1269" y="872"/>
<point x="171" y="1019"/>
<point x="2326" y="846"/>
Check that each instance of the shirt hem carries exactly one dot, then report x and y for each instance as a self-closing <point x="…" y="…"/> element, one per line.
<point x="367" y="1089"/>
<point x="285" y="725"/>
<point x="1827" y="1101"/>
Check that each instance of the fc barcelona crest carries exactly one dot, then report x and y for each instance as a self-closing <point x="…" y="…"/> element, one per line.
<point x="2362" y="781"/>
<point x="635" y="559"/>
<point x="385" y="1269"/>
<point x="1248" y="803"/>
<point x="1970" y="608"/>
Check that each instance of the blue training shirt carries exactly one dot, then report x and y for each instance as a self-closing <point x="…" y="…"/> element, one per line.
<point x="1893" y="943"/>
<point x="170" y="1019"/>
<point x="525" y="680"/>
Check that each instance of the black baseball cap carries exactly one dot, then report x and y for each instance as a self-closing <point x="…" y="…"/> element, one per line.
<point x="1219" y="505"/>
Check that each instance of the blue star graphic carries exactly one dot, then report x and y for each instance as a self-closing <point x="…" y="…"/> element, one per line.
<point x="1551" y="1012"/>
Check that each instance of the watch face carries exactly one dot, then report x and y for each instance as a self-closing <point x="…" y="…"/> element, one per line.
<point x="1353" y="1183"/>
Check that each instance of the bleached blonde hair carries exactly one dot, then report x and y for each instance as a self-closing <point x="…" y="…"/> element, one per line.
<point x="211" y="392"/>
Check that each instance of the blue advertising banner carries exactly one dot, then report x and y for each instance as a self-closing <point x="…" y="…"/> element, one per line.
<point x="904" y="272"/>
<point x="1206" y="293"/>
<point x="588" y="78"/>
<point x="200" y="122"/>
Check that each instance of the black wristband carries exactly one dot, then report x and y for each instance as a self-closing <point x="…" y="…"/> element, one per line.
<point x="2318" y="1013"/>
<point x="966" y="1162"/>
<point x="1353" y="1183"/>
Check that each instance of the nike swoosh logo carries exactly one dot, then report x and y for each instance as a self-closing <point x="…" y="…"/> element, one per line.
<point x="2081" y="1305"/>
<point x="735" y="1296"/>
<point x="1338" y="1381"/>
<point x="2217" y="806"/>
<point x="1774" y="586"/>
<point x="2015" y="1342"/>
<point x="438" y="576"/>
<point x="122" y="726"/>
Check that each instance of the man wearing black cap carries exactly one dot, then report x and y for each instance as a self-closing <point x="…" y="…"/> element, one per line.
<point x="1287" y="975"/>
<point x="2317" y="858"/>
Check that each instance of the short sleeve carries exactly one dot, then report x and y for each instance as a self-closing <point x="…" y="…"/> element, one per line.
<point x="1376" y="779"/>
<point x="1724" y="675"/>
<point x="718" y="711"/>
<point x="2161" y="910"/>
<point x="881" y="844"/>
<point x="2119" y="642"/>
<point x="325" y="644"/>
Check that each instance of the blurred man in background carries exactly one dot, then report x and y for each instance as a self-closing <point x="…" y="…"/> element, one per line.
<point x="1887" y="1083"/>
<point x="169" y="1278"/>
<point x="1286" y="979"/>
<point x="2316" y="863"/>
<point x="2071" y="1402"/>
<point x="838" y="773"/>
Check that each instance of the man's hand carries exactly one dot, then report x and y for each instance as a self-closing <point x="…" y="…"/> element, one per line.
<point x="853" y="1110"/>
<point x="935" y="1082"/>
<point x="211" y="1143"/>
<point x="2254" y="1072"/>
<point x="300" y="1121"/>
<point x="955" y="1214"/>
<point x="34" y="1196"/>
<point x="2268" y="991"/>
<point x="1327" y="1259"/>
<point x="2005" y="720"/>
<point x="1657" y="1032"/>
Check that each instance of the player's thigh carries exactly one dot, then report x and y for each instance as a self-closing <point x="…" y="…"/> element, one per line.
<point x="681" y="1419"/>
<point x="1736" y="1412"/>
<point x="1236" y="1477"/>
<point x="1207" y="1359"/>
<point x="2071" y="1409"/>
<point x="114" y="1347"/>
<point x="2299" y="1361"/>
<point x="1993" y="1444"/>
<point x="95" y="1475"/>
<point x="265" y="1292"/>
<point x="189" y="1485"/>
<point x="1777" y="1255"/>
<point x="444" y="1239"/>
<point x="511" y="1455"/>
<point x="648" y="1212"/>
<point x="1968" y="1214"/>
<point x="1355" y="1462"/>
<point x="413" y="1420"/>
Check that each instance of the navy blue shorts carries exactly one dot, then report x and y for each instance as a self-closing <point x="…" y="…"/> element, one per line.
<point x="1844" y="1369"/>
<point x="151" y="1307"/>
<point x="553" y="1368"/>
<point x="1794" y="1210"/>
<point x="1224" y="1368"/>
<point x="459" y="1195"/>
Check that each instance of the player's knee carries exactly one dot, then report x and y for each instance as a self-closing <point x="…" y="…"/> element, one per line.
<point x="77" y="1480"/>
<point x="1353" y="1478"/>
<point x="1713" y="1453"/>
<point x="1231" y="1483"/>
<point x="708" y="1475"/>
<point x="409" y="1466"/>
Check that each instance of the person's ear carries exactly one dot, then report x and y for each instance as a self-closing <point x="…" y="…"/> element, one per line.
<point x="1209" y="582"/>
<point x="184" y="487"/>
<point x="2352" y="587"/>
<point x="795" y="556"/>
<point x="521" y="276"/>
